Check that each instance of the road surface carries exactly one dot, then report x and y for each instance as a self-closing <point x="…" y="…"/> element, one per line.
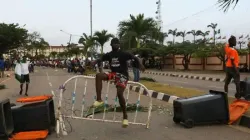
<point x="162" y="127"/>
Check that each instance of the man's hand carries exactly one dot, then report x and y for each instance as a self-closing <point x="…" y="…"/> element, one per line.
<point x="100" y="70"/>
<point x="142" y="68"/>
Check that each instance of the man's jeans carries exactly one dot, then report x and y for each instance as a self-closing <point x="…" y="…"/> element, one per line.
<point x="136" y="74"/>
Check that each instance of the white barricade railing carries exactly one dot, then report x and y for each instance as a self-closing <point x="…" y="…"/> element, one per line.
<point x="60" y="116"/>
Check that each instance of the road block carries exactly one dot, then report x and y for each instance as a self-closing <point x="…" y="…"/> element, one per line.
<point x="60" y="121"/>
<point x="6" y="122"/>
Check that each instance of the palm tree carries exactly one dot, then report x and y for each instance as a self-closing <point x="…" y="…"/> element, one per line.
<point x="225" y="4"/>
<point x="214" y="26"/>
<point x="40" y="44"/>
<point x="137" y="24"/>
<point x="194" y="33"/>
<point x="158" y="36"/>
<point x="203" y="34"/>
<point x="173" y="33"/>
<point x="101" y="37"/>
<point x="87" y="42"/>
<point x="182" y="34"/>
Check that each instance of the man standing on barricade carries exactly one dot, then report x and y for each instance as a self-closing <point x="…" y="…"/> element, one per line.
<point x="119" y="73"/>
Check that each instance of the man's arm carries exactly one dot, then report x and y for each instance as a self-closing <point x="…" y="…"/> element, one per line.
<point x="105" y="57"/>
<point x="137" y="61"/>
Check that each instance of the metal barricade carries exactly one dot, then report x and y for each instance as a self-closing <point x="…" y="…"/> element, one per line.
<point x="60" y="116"/>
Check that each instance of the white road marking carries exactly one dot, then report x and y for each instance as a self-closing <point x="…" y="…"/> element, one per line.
<point x="47" y="75"/>
<point x="50" y="84"/>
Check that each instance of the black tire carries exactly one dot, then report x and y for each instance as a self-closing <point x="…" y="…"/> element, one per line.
<point x="177" y="121"/>
<point x="189" y="123"/>
<point x="237" y="96"/>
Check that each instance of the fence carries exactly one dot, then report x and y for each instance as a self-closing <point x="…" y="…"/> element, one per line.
<point x="208" y="63"/>
<point x="60" y="115"/>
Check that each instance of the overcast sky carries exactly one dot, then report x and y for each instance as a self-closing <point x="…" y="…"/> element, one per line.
<point x="50" y="16"/>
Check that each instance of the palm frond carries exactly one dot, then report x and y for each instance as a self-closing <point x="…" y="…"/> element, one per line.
<point x="226" y="4"/>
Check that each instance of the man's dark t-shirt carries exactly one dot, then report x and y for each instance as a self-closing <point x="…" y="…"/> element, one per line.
<point x="118" y="61"/>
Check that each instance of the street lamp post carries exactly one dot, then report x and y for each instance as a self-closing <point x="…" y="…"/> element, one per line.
<point x="70" y="35"/>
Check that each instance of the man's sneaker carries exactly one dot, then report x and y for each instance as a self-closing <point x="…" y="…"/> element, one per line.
<point x="125" y="123"/>
<point x="97" y="104"/>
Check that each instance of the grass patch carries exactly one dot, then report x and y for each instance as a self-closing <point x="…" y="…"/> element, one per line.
<point x="172" y="90"/>
<point x="147" y="79"/>
<point x="179" y="92"/>
<point x="89" y="72"/>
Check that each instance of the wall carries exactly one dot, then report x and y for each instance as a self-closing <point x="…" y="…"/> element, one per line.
<point x="209" y="63"/>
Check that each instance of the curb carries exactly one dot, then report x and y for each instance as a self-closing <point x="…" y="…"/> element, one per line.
<point x="243" y="121"/>
<point x="185" y="76"/>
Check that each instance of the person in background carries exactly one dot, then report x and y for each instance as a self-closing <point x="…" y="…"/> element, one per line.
<point x="25" y="76"/>
<point x="2" y="67"/>
<point x="69" y="66"/>
<point x="232" y="65"/>
<point x="136" y="70"/>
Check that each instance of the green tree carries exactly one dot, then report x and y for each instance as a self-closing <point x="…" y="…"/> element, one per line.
<point x="11" y="37"/>
<point x="226" y="4"/>
<point x="139" y="25"/>
<point x="87" y="42"/>
<point x="173" y="33"/>
<point x="182" y="34"/>
<point x="37" y="43"/>
<point x="74" y="51"/>
<point x="101" y="37"/>
<point x="53" y="54"/>
<point x="194" y="33"/>
<point x="203" y="34"/>
<point x="187" y="50"/>
<point x="62" y="54"/>
<point x="128" y="41"/>
<point x="215" y="32"/>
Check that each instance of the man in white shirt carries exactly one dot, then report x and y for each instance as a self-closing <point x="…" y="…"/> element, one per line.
<point x="25" y="76"/>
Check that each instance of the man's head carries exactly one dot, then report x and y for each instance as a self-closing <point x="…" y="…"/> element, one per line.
<point x="232" y="41"/>
<point x="115" y="44"/>
<point x="24" y="59"/>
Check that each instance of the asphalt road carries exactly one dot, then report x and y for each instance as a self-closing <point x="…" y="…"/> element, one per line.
<point x="44" y="81"/>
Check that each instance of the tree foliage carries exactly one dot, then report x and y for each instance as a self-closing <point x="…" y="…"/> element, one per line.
<point x="226" y="4"/>
<point x="12" y="36"/>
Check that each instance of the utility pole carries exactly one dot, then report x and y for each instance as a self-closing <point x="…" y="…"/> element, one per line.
<point x="158" y="15"/>
<point x="91" y="22"/>
<point x="91" y="28"/>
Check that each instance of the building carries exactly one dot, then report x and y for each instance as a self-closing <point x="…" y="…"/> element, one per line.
<point x="50" y="49"/>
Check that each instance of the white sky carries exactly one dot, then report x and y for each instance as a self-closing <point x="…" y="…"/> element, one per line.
<point x="50" y="16"/>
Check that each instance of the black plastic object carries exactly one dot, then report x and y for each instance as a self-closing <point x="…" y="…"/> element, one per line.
<point x="244" y="89"/>
<point x="34" y="116"/>
<point x="6" y="121"/>
<point x="208" y="108"/>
